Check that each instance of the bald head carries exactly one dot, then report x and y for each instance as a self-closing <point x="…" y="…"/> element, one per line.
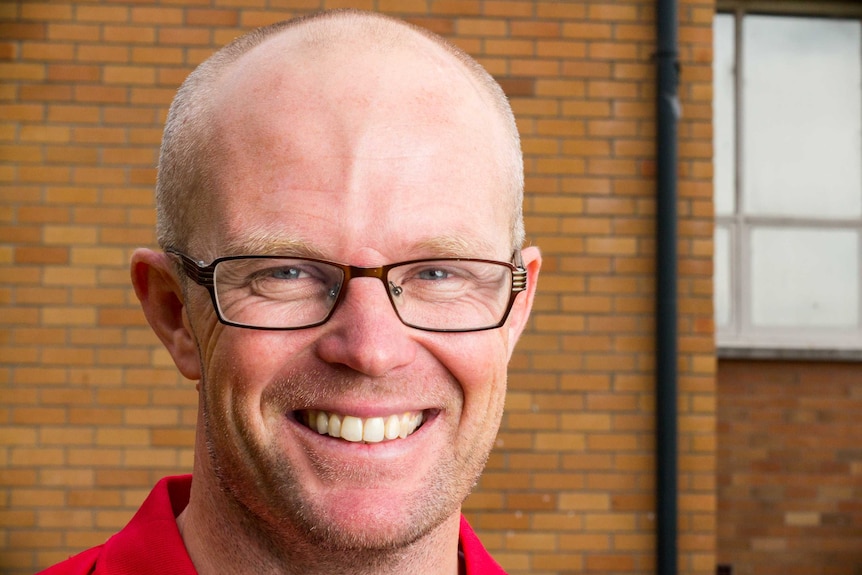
<point x="354" y="63"/>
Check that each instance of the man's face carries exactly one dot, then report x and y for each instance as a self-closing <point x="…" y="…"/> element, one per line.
<point x="367" y="165"/>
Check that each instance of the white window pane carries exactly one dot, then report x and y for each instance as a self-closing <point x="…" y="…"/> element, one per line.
<point x="723" y="113"/>
<point x="802" y="118"/>
<point x="804" y="277"/>
<point x="721" y="277"/>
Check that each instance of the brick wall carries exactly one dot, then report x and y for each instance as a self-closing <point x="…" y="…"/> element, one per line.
<point x="92" y="411"/>
<point x="790" y="468"/>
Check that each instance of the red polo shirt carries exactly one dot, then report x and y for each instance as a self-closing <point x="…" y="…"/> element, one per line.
<point x="151" y="543"/>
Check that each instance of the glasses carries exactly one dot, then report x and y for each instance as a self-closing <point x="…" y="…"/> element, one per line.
<point x="284" y="292"/>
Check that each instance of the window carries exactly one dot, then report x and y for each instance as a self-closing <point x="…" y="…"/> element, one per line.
<point x="787" y="114"/>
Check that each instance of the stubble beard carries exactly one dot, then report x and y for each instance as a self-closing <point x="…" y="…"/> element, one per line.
<point x="264" y="495"/>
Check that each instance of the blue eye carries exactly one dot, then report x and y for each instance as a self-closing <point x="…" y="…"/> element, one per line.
<point x="286" y="273"/>
<point x="433" y="274"/>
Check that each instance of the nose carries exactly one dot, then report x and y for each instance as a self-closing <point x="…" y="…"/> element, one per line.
<point x="364" y="333"/>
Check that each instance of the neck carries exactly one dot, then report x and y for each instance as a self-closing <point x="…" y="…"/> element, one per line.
<point x="224" y="539"/>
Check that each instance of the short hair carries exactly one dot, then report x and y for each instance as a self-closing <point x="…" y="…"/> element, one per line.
<point x="184" y="173"/>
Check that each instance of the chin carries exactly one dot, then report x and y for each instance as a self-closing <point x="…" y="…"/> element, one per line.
<point x="374" y="519"/>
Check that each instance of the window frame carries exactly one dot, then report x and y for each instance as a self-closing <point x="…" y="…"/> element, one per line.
<point x="740" y="337"/>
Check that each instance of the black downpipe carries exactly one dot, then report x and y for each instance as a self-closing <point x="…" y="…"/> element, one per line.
<point x="668" y="112"/>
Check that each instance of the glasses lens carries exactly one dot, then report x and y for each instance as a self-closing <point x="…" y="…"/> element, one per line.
<point x="451" y="294"/>
<point x="276" y="292"/>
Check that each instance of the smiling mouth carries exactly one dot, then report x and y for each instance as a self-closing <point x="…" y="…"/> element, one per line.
<point x="357" y="429"/>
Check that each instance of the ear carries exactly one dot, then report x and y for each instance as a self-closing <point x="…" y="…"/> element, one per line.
<point x="520" y="313"/>
<point x="161" y="298"/>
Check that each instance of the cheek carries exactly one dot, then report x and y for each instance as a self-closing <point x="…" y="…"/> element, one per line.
<point x="236" y="369"/>
<point x="478" y="362"/>
<point x="479" y="366"/>
<point x="241" y="367"/>
<point x="251" y="356"/>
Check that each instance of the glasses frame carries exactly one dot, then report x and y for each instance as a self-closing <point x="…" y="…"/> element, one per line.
<point x="203" y="274"/>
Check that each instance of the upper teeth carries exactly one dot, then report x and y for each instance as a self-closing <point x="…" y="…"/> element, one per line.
<point x="356" y="429"/>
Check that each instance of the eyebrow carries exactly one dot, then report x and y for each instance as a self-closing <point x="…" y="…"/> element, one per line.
<point x="269" y="243"/>
<point x="456" y="247"/>
<point x="272" y="243"/>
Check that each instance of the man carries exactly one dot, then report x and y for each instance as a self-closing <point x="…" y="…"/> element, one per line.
<point x="339" y="206"/>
